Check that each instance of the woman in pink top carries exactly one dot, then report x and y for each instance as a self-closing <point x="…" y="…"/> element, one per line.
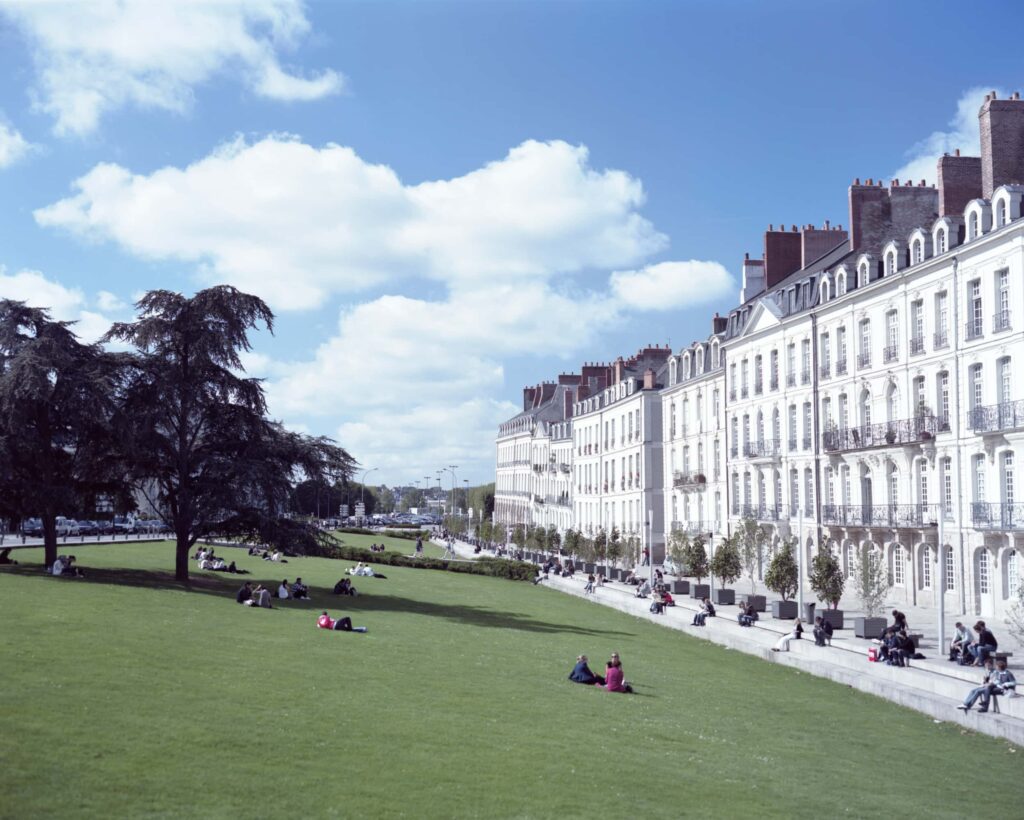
<point x="614" y="678"/>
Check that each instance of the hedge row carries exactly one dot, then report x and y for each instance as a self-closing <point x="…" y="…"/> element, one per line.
<point x="494" y="567"/>
<point x="388" y="533"/>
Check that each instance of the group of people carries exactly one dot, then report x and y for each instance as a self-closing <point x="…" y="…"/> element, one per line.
<point x="968" y="650"/>
<point x="364" y="570"/>
<point x="258" y="597"/>
<point x="268" y="555"/>
<point x="299" y="591"/>
<point x="704" y="611"/>
<point x="344" y="587"/>
<point x="206" y="559"/>
<point x="376" y="548"/>
<point x="613" y="679"/>
<point x="65" y="566"/>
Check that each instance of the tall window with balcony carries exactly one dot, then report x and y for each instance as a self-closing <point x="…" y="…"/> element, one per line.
<point x="892" y="337"/>
<point x="975" y="310"/>
<point x="716" y="451"/>
<point x="976" y="395"/>
<point x="830" y="486"/>
<point x="941" y="320"/>
<point x="1001" y="321"/>
<point x="685" y="418"/>
<point x="843" y="405"/>
<point x="841" y="351"/>
<point x="794" y="492"/>
<point x="864" y="357"/>
<point x="844" y="475"/>
<point x="946" y="474"/>
<point x="942" y="386"/>
<point x="916" y="327"/>
<point x="894" y="485"/>
<point x="773" y="363"/>
<point x="808" y="426"/>
<point x="826" y="356"/>
<point x="1005" y="381"/>
<point x="758" y="375"/>
<point x="791" y="365"/>
<point x="809" y="492"/>
<point x="776" y="429"/>
<point x="922" y="483"/>
<point x="735" y="437"/>
<point x="805" y="360"/>
<point x="792" y="427"/>
<point x="917" y="395"/>
<point x="732" y="382"/>
<point x="746" y="433"/>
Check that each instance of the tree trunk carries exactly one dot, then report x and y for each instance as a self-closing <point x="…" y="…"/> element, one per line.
<point x="49" y="540"/>
<point x="181" y="551"/>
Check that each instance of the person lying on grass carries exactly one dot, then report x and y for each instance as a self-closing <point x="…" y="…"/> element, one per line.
<point x="325" y="621"/>
<point x="365" y="570"/>
<point x="615" y="680"/>
<point x="344" y="587"/>
<point x="581" y="673"/>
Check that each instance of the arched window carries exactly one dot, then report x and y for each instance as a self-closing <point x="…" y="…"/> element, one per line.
<point x="890" y="263"/>
<point x="924" y="567"/>
<point x="673" y="371"/>
<point x="824" y="293"/>
<point x="700" y="360"/>
<point x="917" y="251"/>
<point x="940" y="241"/>
<point x="686" y="365"/>
<point x="898" y="575"/>
<point x="1001" y="213"/>
<point x="972" y="229"/>
<point x="984" y="572"/>
<point x="862" y="275"/>
<point x="714" y="353"/>
<point x="841" y="283"/>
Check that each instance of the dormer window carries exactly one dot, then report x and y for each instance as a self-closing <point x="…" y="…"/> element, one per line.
<point x="890" y="263"/>
<point x="972" y="230"/>
<point x="1001" y="213"/>
<point x="917" y="251"/>
<point x="862" y="274"/>
<point x="841" y="283"/>
<point x="940" y="242"/>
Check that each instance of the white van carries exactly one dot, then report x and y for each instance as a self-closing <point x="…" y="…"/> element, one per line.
<point x="66" y="526"/>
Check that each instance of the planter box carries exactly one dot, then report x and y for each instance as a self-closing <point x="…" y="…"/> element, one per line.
<point x="601" y="570"/>
<point x="725" y="597"/>
<point x="785" y="610"/>
<point x="615" y="574"/>
<point x="868" y="627"/>
<point x="680" y="587"/>
<point x="588" y="568"/>
<point x="699" y="591"/>
<point x="832" y="616"/>
<point x="759" y="602"/>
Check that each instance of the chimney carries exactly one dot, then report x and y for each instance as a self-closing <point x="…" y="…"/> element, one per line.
<point x="753" y="278"/>
<point x="959" y="183"/>
<point x="648" y="379"/>
<point x="781" y="255"/>
<point x="816" y="242"/>
<point x="619" y="365"/>
<point x="718" y="323"/>
<point x="1001" y="123"/>
<point x="869" y="216"/>
<point x="528" y="397"/>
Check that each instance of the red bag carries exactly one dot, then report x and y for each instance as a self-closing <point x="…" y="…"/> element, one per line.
<point x="872" y="653"/>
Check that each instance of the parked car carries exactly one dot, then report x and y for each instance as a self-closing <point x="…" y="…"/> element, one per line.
<point x="66" y="526"/>
<point x="32" y="528"/>
<point x="88" y="528"/>
<point x="123" y="525"/>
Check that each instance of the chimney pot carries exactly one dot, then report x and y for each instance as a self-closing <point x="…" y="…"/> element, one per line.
<point x="769" y="227"/>
<point x="826" y="225"/>
<point x="871" y="181"/>
<point x="746" y="256"/>
<point x="993" y="95"/>
<point x="956" y="153"/>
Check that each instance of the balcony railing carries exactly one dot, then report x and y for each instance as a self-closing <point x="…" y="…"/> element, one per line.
<point x="840" y="367"/>
<point x="768" y="448"/>
<point x="792" y="444"/>
<point x="940" y="341"/>
<point x="693" y="527"/>
<point x="1001" y="321"/>
<point x="805" y="376"/>
<point x="762" y="512"/>
<point x="996" y="417"/>
<point x="974" y="329"/>
<point x="863" y="360"/>
<point x="791" y="379"/>
<point x="732" y="394"/>
<point x="689" y="481"/>
<point x="883" y="434"/>
<point x="807" y="443"/>
<point x="916" y="345"/>
<point x="758" y="387"/>
<point x="986" y="516"/>
<point x="825" y="371"/>
<point x="880" y="515"/>
<point x="734" y="451"/>
<point x="890" y="353"/>
<point x="744" y="392"/>
<point x="773" y="383"/>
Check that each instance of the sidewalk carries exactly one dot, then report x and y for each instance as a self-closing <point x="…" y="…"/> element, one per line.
<point x="933" y="686"/>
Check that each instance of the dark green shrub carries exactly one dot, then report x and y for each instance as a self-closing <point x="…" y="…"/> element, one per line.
<point x="494" y="567"/>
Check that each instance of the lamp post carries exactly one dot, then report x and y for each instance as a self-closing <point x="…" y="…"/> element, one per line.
<point x="362" y="487"/>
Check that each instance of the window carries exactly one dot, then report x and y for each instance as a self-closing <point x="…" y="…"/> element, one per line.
<point x="808" y="422"/>
<point x="1005" y="383"/>
<point x="841" y="350"/>
<point x="809" y="491"/>
<point x="976" y="394"/>
<point x="830" y="486"/>
<point x="758" y="374"/>
<point x="972" y="230"/>
<point x="735" y="436"/>
<point x="898" y="576"/>
<point x="926" y="568"/>
<point x="1008" y="488"/>
<point x="744" y="378"/>
<point x="975" y="318"/>
<point x="984" y="572"/>
<point x="805" y="356"/>
<point x="917" y="251"/>
<point x="862" y="274"/>
<point x="943" y="389"/>
<point x="950" y="570"/>
<point x="890" y="263"/>
<point x="841" y="283"/>
<point x="1002" y="318"/>
<point x="1012" y="575"/>
<point x="917" y="327"/>
<point x="746" y="431"/>
<point x="844" y="412"/>
<point x="979" y="479"/>
<point x="732" y="381"/>
<point x="792" y="427"/>
<point x="922" y="482"/>
<point x="865" y="343"/>
<point x="947" y="487"/>
<point x="735" y="493"/>
<point x="850" y="564"/>
<point x="791" y="365"/>
<point x="1001" y="213"/>
<point x="826" y="413"/>
<point x="748" y="496"/>
<point x="776" y="427"/>
<point x="826" y="353"/>
<point x="941" y="320"/>
<point x="715" y="405"/>
<point x="940" y="244"/>
<point x="918" y="394"/>
<point x="760" y="426"/>
<point x="794" y="491"/>
<point x="685" y="418"/>
<point x="844" y="473"/>
<point x="717" y="454"/>
<point x="773" y="361"/>
<point x="892" y="335"/>
<point x="894" y="485"/>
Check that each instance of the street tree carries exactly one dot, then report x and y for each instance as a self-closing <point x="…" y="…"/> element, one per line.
<point x="782" y="575"/>
<point x="751" y="540"/>
<point x="196" y="434"/>
<point x="826" y="576"/>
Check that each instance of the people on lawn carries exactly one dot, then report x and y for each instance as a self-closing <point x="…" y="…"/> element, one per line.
<point x="362" y="569"/>
<point x="260" y="597"/>
<point x="300" y="592"/>
<point x="581" y="673"/>
<point x="283" y="591"/>
<point x="997" y="680"/>
<point x="793" y="635"/>
<point x="244" y="594"/>
<point x="5" y="557"/>
<point x="615" y="679"/>
<point x="344" y="587"/>
<point x="65" y="566"/>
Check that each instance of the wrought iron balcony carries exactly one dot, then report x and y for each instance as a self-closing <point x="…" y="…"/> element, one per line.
<point x="916" y="345"/>
<point x="791" y="379"/>
<point x="807" y="443"/>
<point x="986" y="516"/>
<point x="825" y="371"/>
<point x="995" y="418"/>
<point x="890" y="353"/>
<point x="732" y="394"/>
<point x="744" y="392"/>
<point x="840" y="367"/>
<point x="734" y="451"/>
<point x="1001" y="321"/>
<point x="773" y="383"/>
<point x="805" y="376"/>
<point x="689" y="481"/>
<point x="767" y="448"/>
<point x="880" y="515"/>
<point x="863" y="360"/>
<point x="693" y="527"/>
<point x="762" y="512"/>
<point x="940" y="341"/>
<point x="883" y="434"/>
<point x="792" y="444"/>
<point x="974" y="329"/>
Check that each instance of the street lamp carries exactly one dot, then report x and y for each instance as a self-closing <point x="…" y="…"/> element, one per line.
<point x="362" y="487"/>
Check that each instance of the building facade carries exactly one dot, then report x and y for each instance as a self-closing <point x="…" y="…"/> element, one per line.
<point x="862" y="392"/>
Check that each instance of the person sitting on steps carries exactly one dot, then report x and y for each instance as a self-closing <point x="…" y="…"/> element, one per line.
<point x="748" y="615"/>
<point x="958" y="646"/>
<point x="793" y="635"/>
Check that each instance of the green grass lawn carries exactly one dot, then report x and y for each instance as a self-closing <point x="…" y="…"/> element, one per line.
<point x="125" y="695"/>
<point x="404" y="546"/>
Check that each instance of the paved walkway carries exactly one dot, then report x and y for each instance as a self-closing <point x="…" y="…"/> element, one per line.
<point x="933" y="686"/>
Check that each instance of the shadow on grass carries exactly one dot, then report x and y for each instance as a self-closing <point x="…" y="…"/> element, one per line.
<point x="225" y="586"/>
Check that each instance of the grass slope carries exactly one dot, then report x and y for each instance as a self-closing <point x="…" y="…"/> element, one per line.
<point x="404" y="546"/>
<point x="125" y="695"/>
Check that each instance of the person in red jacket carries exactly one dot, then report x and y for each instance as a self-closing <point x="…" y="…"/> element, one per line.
<point x="342" y="624"/>
<point x="614" y="677"/>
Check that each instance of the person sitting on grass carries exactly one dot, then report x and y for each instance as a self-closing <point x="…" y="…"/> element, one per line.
<point x="300" y="592"/>
<point x="747" y="615"/>
<point x="958" y="646"/>
<point x="581" y="673"/>
<point x="344" y="587"/>
<point x="615" y="680"/>
<point x="260" y="598"/>
<point x="362" y="569"/>
<point x="65" y="566"/>
<point x="344" y="624"/>
<point x="5" y="557"/>
<point x="244" y="594"/>
<point x="282" y="591"/>
<point x="792" y="635"/>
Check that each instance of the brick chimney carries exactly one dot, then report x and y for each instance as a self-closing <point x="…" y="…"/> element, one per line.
<point x="528" y="397"/>
<point x="648" y="379"/>
<point x="816" y="242"/>
<point x="781" y="254"/>
<point x="1002" y="143"/>
<point x="718" y="323"/>
<point x="869" y="215"/>
<point x="959" y="183"/>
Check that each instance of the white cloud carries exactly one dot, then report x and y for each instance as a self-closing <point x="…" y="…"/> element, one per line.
<point x="109" y="302"/>
<point x="673" y="285"/>
<point x="64" y="303"/>
<point x="99" y="56"/>
<point x="294" y="223"/>
<point x="962" y="133"/>
<point x="13" y="146"/>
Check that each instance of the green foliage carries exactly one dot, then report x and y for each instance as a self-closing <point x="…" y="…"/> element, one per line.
<point x="614" y="549"/>
<point x="519" y="536"/>
<point x="485" y="530"/>
<point x="552" y="540"/>
<point x="494" y="567"/>
<point x="498" y="533"/>
<point x="782" y="575"/>
<point x="600" y="542"/>
<point x="696" y="559"/>
<point x="678" y="549"/>
<point x="871" y="580"/>
<point x="725" y="563"/>
<point x="826" y="577"/>
<point x="751" y="539"/>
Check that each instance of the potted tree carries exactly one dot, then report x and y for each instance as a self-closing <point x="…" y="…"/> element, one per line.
<point x="601" y="551"/>
<point x="751" y="538"/>
<point x="697" y="567"/>
<point x="782" y="577"/>
<point x="614" y="551"/>
<point x="871" y="583"/>
<point x="726" y="567"/>
<point x="827" y="583"/>
<point x="678" y="552"/>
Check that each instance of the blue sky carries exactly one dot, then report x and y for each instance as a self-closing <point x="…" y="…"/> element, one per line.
<point x="444" y="201"/>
